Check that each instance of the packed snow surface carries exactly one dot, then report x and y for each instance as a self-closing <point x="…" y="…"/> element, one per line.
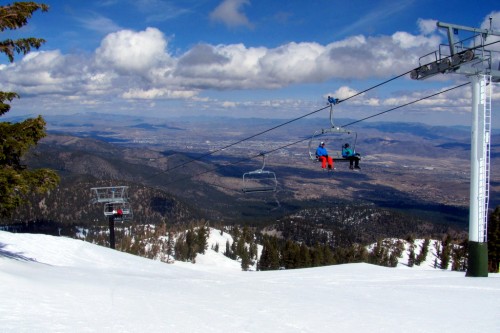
<point x="56" y="284"/>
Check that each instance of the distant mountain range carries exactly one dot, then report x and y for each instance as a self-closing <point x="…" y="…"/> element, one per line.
<point x="414" y="170"/>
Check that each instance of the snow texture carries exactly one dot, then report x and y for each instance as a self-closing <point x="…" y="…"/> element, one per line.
<point x="56" y="284"/>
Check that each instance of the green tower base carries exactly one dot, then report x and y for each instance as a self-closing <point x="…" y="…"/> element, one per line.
<point x="477" y="265"/>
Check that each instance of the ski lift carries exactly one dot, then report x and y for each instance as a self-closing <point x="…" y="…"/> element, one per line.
<point x="115" y="199"/>
<point x="335" y="135"/>
<point x="260" y="180"/>
<point x="120" y="210"/>
<point x="110" y="193"/>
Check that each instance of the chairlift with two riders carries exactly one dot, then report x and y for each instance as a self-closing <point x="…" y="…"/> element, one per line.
<point x="335" y="135"/>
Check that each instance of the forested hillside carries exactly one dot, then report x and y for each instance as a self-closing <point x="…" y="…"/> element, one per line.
<point x="165" y="211"/>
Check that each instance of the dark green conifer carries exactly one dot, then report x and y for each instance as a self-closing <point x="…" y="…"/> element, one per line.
<point x="445" y="253"/>
<point x="422" y="256"/>
<point x="411" y="255"/>
<point x="304" y="257"/>
<point x="16" y="181"/>
<point x="269" y="259"/>
<point x="494" y="241"/>
<point x="202" y="239"/>
<point x="245" y="260"/>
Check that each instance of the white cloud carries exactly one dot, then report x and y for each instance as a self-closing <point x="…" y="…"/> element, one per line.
<point x="139" y="61"/>
<point x="229" y="12"/>
<point x="342" y="93"/>
<point x="407" y="41"/>
<point x="492" y="39"/>
<point x="132" y="65"/>
<point x="157" y="94"/>
<point x="99" y="23"/>
<point x="427" y="27"/>
<point x="495" y="21"/>
<point x="129" y="51"/>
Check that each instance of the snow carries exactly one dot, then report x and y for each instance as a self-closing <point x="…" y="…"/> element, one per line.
<point x="56" y="284"/>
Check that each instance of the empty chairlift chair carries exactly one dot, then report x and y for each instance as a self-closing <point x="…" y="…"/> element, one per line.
<point x="260" y="180"/>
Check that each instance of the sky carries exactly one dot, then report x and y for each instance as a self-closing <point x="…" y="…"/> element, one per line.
<point x="241" y="58"/>
<point x="57" y="284"/>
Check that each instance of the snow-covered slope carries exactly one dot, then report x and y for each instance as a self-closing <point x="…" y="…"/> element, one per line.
<point x="54" y="284"/>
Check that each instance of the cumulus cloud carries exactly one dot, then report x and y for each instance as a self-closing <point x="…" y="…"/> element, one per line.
<point x="130" y="51"/>
<point x="427" y="27"/>
<point x="132" y="65"/>
<point x="230" y="13"/>
<point x="41" y="73"/>
<point x="494" y="23"/>
<point x="342" y="93"/>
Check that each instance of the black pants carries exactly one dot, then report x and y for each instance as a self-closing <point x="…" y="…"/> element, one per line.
<point x="353" y="159"/>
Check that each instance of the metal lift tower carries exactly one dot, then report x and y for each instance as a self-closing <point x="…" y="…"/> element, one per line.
<point x="475" y="58"/>
<point x="116" y="206"/>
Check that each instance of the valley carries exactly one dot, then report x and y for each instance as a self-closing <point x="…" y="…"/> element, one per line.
<point x="418" y="169"/>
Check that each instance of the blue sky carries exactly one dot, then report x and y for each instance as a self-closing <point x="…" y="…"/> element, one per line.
<point x="239" y="58"/>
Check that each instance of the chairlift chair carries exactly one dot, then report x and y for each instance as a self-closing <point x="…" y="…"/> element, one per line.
<point x="114" y="209"/>
<point x="260" y="180"/>
<point x="334" y="136"/>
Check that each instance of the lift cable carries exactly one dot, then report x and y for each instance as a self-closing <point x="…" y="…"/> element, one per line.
<point x="403" y="105"/>
<point x="275" y="127"/>
<point x="308" y="138"/>
<point x="301" y="117"/>
<point x="310" y="113"/>
<point x="238" y="142"/>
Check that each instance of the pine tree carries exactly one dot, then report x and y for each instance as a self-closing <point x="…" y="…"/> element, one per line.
<point x="245" y="259"/>
<point x="328" y="257"/>
<point x="253" y="251"/>
<point x="494" y="241"/>
<point x="170" y="245"/>
<point x="228" y="253"/>
<point x="202" y="239"/>
<point x="304" y="257"/>
<point x="317" y="255"/>
<point x="458" y="257"/>
<point x="234" y="248"/>
<point x="17" y="138"/>
<point x="290" y="254"/>
<point x="269" y="259"/>
<point x="422" y="256"/>
<point x="181" y="248"/>
<point x="247" y="234"/>
<point x="192" y="245"/>
<point x="379" y="255"/>
<point x="411" y="255"/>
<point x="445" y="253"/>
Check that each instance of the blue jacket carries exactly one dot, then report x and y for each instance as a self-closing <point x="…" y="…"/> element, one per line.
<point x="321" y="151"/>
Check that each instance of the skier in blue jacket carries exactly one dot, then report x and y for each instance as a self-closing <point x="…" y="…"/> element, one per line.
<point x="322" y="156"/>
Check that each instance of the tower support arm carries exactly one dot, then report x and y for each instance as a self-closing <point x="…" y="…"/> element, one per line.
<point x="451" y="28"/>
<point x="461" y="27"/>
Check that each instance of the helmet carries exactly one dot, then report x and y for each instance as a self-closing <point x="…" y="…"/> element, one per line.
<point x="346" y="145"/>
<point x="322" y="143"/>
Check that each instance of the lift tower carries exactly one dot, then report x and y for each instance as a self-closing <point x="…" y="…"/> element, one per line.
<point x="116" y="206"/>
<point x="476" y="59"/>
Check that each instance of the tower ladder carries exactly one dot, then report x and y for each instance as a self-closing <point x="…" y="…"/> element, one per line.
<point x="484" y="162"/>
